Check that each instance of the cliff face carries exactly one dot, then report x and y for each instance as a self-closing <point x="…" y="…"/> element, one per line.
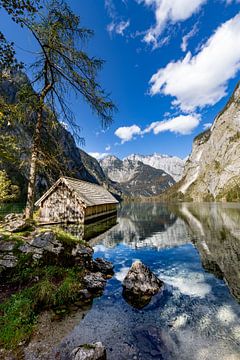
<point x="213" y="169"/>
<point x="59" y="152"/>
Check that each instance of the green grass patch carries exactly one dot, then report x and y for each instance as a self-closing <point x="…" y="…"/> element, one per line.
<point x="57" y="287"/>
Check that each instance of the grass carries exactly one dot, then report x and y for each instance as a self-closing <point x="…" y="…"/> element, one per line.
<point x="42" y="285"/>
<point x="58" y="287"/>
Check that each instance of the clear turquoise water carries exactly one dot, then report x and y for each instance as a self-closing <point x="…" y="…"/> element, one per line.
<point x="195" y="250"/>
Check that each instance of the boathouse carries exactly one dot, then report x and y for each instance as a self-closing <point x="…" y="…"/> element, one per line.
<point x="76" y="201"/>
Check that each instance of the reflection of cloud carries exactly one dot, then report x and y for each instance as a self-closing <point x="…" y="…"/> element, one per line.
<point x="226" y="315"/>
<point x="191" y="284"/>
<point x="120" y="275"/>
<point x="180" y="321"/>
<point x="99" y="247"/>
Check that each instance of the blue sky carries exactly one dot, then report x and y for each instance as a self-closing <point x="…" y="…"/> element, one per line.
<point x="170" y="67"/>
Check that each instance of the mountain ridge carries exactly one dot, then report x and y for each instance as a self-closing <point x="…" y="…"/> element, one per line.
<point x="135" y="178"/>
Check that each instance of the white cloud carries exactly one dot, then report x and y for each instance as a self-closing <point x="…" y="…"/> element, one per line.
<point x="187" y="37"/>
<point x="126" y="133"/>
<point x="108" y="148"/>
<point x="207" y="126"/>
<point x="169" y="11"/>
<point x="182" y="124"/>
<point x="200" y="80"/>
<point x="121" y="27"/>
<point x="98" y="155"/>
<point x="118" y="28"/>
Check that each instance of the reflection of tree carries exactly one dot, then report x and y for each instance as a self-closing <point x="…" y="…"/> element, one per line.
<point x="89" y="231"/>
<point x="216" y="236"/>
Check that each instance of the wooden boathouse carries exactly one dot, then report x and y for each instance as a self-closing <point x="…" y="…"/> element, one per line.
<point x="76" y="201"/>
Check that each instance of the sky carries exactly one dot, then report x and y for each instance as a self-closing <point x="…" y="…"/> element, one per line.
<point x="170" y="67"/>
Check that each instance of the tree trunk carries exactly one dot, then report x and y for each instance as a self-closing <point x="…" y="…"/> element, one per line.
<point x="33" y="166"/>
<point x="34" y="153"/>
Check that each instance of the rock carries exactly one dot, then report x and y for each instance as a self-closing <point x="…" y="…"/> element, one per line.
<point x="6" y="245"/>
<point x="94" y="281"/>
<point x="16" y="225"/>
<point x="8" y="260"/>
<point x="81" y="250"/>
<point x="103" y="266"/>
<point x="140" y="284"/>
<point x="12" y="217"/>
<point x="154" y="343"/>
<point x="45" y="241"/>
<point x="94" y="351"/>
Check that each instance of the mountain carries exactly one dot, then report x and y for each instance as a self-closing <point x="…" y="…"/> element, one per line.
<point x="135" y="178"/>
<point x="212" y="171"/>
<point x="172" y="165"/>
<point x="61" y="154"/>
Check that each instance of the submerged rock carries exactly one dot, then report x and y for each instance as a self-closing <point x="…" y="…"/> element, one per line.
<point x="94" y="351"/>
<point x="140" y="284"/>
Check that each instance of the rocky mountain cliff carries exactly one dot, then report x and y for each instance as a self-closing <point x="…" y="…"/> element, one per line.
<point x="135" y="178"/>
<point x="61" y="154"/>
<point x="172" y="165"/>
<point x="213" y="169"/>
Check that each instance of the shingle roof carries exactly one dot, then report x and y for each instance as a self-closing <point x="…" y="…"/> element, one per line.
<point x="91" y="194"/>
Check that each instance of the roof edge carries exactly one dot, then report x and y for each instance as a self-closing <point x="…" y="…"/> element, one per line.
<point x="49" y="191"/>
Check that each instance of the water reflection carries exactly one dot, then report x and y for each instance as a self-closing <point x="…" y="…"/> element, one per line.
<point x="89" y="231"/>
<point x="216" y="230"/>
<point x="146" y="225"/>
<point x="194" y="249"/>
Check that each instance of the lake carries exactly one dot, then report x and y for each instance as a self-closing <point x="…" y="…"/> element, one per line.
<point x="195" y="250"/>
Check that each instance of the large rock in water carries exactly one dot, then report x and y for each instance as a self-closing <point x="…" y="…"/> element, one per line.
<point x="140" y="284"/>
<point x="89" y="352"/>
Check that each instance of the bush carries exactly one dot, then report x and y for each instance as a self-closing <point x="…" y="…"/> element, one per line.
<point x="8" y="191"/>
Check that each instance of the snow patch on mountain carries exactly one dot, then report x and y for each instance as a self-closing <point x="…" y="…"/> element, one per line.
<point x="172" y="165"/>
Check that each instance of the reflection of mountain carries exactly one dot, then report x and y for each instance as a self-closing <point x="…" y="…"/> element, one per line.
<point x="217" y="237"/>
<point x="146" y="225"/>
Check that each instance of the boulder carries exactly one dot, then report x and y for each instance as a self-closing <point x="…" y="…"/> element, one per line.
<point x="12" y="217"/>
<point x="94" y="351"/>
<point x="8" y="260"/>
<point x="45" y="241"/>
<point x="103" y="266"/>
<point x="140" y="284"/>
<point x="16" y="225"/>
<point x="94" y="281"/>
<point x="6" y="245"/>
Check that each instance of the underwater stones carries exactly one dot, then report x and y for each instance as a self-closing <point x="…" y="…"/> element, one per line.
<point x="140" y="284"/>
<point x="153" y="343"/>
<point x="94" y="281"/>
<point x="94" y="351"/>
